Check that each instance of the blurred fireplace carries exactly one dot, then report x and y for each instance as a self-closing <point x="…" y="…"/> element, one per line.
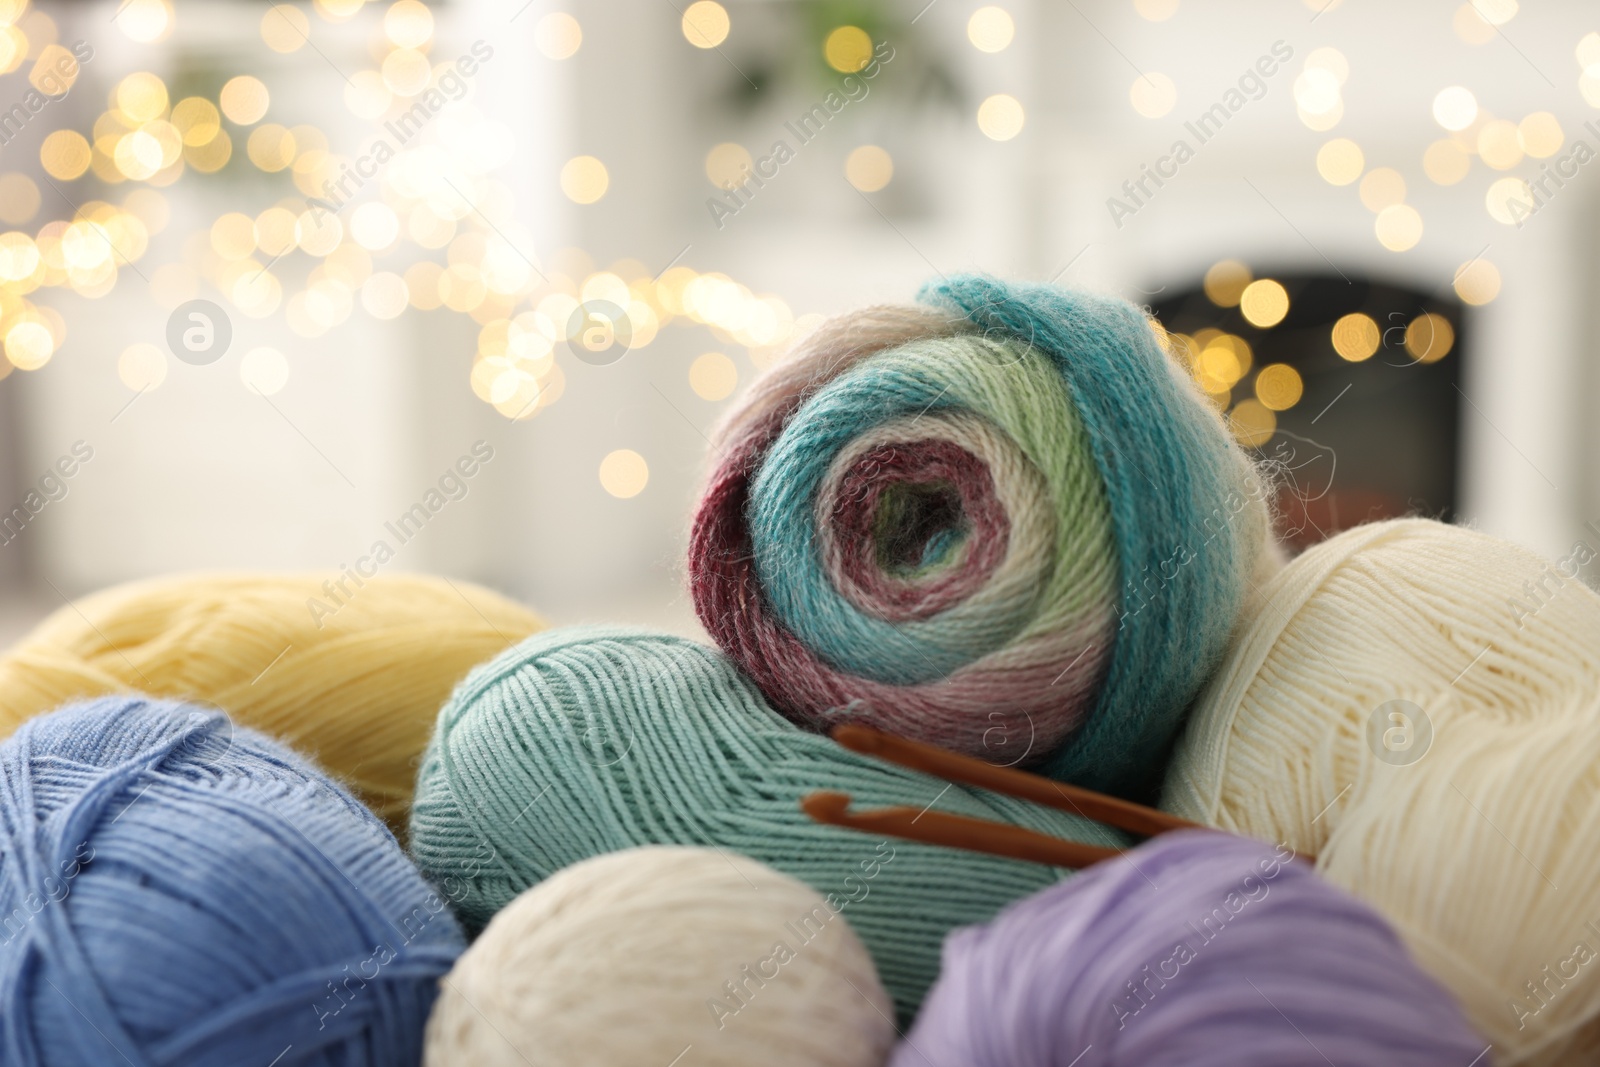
<point x="1350" y="392"/>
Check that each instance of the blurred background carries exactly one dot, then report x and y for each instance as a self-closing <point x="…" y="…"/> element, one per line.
<point x="275" y="277"/>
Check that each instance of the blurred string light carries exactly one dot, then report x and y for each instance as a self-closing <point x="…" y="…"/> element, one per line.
<point x="285" y="28"/>
<point x="1225" y="282"/>
<point x="1356" y="337"/>
<point x="705" y="23"/>
<point x="624" y="473"/>
<point x="437" y="194"/>
<point x="1455" y="108"/>
<point x="1156" y="10"/>
<point x="1588" y="53"/>
<point x="142" y="367"/>
<point x="1429" y="338"/>
<point x="713" y="376"/>
<point x="1001" y="117"/>
<point x="584" y="179"/>
<point x="1471" y="26"/>
<point x="1340" y="161"/>
<point x="1477" y="282"/>
<point x="1509" y="200"/>
<point x="1318" y="91"/>
<point x="558" y="35"/>
<point x="728" y="165"/>
<point x="869" y="168"/>
<point x="991" y="29"/>
<point x="145" y="21"/>
<point x="1264" y="303"/>
<point x="847" y="49"/>
<point x="1153" y="95"/>
<point x="1399" y="227"/>
<point x="1446" y="162"/>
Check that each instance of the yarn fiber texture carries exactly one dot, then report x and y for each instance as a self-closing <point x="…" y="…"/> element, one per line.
<point x="590" y="740"/>
<point x="1467" y="821"/>
<point x="178" y="891"/>
<point x="1005" y="523"/>
<point x="355" y="682"/>
<point x="1195" y="950"/>
<point x="637" y="956"/>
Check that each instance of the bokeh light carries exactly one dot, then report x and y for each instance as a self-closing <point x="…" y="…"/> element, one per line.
<point x="1153" y="95"/>
<point x="991" y="29"/>
<point x="64" y="154"/>
<point x="705" y="23"/>
<point x="142" y="367"/>
<point x="558" y="35"/>
<point x="1252" y="423"/>
<point x="244" y="100"/>
<point x="1540" y="135"/>
<point x="1356" y="337"/>
<point x="264" y="371"/>
<point x="1399" y="227"/>
<point x="19" y="198"/>
<point x="1382" y="187"/>
<point x="1264" y="303"/>
<point x="847" y="49"/>
<point x="1001" y="117"/>
<point x="1429" y="338"/>
<point x="1455" y="108"/>
<point x="1446" y="162"/>
<point x="713" y="376"/>
<point x="285" y="28"/>
<point x="1340" y="161"/>
<point x="584" y="179"/>
<point x="1477" y="282"/>
<point x="1279" y="386"/>
<point x="624" y="473"/>
<point x="408" y="23"/>
<point x="728" y="165"/>
<point x="868" y="168"/>
<point x="1225" y="282"/>
<point x="29" y="345"/>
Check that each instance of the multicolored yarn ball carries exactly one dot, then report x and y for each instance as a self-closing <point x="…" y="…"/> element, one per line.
<point x="175" y="891"/>
<point x="1006" y="523"/>
<point x="348" y="669"/>
<point x="1418" y="705"/>
<point x="591" y="740"/>
<point x="650" y="955"/>
<point x="1195" y="950"/>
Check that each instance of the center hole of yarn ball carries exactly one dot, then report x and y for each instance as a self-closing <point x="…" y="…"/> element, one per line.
<point x="917" y="526"/>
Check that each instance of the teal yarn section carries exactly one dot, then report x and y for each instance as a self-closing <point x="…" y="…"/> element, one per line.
<point x="1003" y="390"/>
<point x="591" y="740"/>
<point x="1178" y="488"/>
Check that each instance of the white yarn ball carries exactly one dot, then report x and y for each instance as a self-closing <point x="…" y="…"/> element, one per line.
<point x="652" y="955"/>
<point x="1478" y="847"/>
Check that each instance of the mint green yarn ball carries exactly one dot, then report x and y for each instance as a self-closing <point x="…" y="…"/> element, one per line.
<point x="589" y="740"/>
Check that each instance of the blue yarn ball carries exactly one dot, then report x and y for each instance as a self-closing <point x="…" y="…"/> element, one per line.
<point x="174" y="890"/>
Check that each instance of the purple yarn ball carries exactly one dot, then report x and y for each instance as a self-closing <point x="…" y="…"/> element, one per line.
<point x="1197" y="949"/>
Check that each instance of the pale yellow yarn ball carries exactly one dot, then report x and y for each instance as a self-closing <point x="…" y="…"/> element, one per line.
<point x="1418" y="705"/>
<point x="659" y="956"/>
<point x="354" y="677"/>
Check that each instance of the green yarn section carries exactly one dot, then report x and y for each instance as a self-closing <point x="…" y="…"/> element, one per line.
<point x="589" y="740"/>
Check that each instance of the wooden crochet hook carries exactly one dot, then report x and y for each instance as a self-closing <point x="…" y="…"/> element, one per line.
<point x="954" y="831"/>
<point x="979" y="835"/>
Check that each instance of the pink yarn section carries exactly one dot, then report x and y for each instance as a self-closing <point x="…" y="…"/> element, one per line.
<point x="1012" y="706"/>
<point x="853" y="554"/>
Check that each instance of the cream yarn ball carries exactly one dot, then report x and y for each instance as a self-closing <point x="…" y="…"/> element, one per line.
<point x="660" y="954"/>
<point x="1418" y="705"/>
